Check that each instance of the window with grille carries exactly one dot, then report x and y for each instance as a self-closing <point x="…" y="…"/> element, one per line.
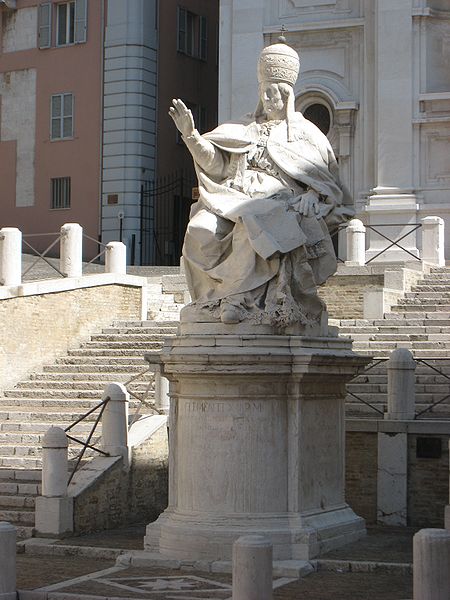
<point x="61" y="117"/>
<point x="192" y="34"/>
<point x="61" y="192"/>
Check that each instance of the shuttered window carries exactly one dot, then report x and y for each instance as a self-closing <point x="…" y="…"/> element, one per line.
<point x="61" y="117"/>
<point x="80" y="21"/>
<point x="45" y="25"/>
<point x="192" y="36"/>
<point x="60" y="192"/>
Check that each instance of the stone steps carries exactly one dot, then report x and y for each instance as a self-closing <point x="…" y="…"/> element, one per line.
<point x="419" y="322"/>
<point x="62" y="393"/>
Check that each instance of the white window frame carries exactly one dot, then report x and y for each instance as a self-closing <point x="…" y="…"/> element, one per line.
<point x="68" y="5"/>
<point x="61" y="117"/>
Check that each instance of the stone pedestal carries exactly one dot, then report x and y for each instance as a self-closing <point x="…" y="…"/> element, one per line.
<point x="256" y="433"/>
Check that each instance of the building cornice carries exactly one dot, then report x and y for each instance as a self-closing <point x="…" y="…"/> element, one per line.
<point x="316" y="25"/>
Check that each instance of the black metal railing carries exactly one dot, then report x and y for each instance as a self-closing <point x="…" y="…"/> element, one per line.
<point x="87" y="443"/>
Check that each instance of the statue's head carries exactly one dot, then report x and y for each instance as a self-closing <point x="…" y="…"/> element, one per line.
<point x="278" y="69"/>
<point x="278" y="63"/>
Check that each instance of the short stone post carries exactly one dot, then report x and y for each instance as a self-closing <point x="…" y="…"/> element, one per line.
<point x="8" y="538"/>
<point x="356" y="243"/>
<point x="54" y="509"/>
<point x="433" y="241"/>
<point x="401" y="388"/>
<point x="10" y="256"/>
<point x="431" y="552"/>
<point x="115" y="421"/>
<point x="71" y="250"/>
<point x="162" y="398"/>
<point x="116" y="258"/>
<point x="252" y="568"/>
<point x="447" y="508"/>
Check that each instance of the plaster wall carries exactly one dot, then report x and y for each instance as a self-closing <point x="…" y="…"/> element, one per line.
<point x="29" y="76"/>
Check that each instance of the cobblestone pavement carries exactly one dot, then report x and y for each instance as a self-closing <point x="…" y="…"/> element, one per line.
<point x="151" y="584"/>
<point x="332" y="581"/>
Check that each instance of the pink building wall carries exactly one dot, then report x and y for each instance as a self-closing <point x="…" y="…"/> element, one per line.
<point x="75" y="69"/>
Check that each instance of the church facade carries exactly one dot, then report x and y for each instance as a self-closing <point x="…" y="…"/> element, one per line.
<point x="374" y="77"/>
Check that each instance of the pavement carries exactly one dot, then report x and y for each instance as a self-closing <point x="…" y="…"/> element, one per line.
<point x="375" y="568"/>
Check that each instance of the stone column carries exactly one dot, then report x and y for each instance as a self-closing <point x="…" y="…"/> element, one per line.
<point x="393" y="200"/>
<point x="431" y="550"/>
<point x="252" y="568"/>
<point x="54" y="509"/>
<point x="116" y="258"/>
<point x="401" y="388"/>
<point x="115" y="421"/>
<point x="162" y="396"/>
<point x="71" y="250"/>
<point x="392" y="479"/>
<point x="356" y="243"/>
<point x="10" y="256"/>
<point x="8" y="537"/>
<point x="433" y="241"/>
<point x="257" y="443"/>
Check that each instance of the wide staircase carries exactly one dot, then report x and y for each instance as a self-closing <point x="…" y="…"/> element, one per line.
<point x="65" y="391"/>
<point x="419" y="322"/>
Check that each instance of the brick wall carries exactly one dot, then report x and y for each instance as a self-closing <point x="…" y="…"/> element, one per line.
<point x="361" y="474"/>
<point x="344" y="294"/>
<point x="36" y="329"/>
<point x="119" y="497"/>
<point x="427" y="485"/>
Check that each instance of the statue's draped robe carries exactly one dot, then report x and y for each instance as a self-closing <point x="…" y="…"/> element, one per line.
<point x="245" y="242"/>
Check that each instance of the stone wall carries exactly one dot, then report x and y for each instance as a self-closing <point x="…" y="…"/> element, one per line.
<point x="38" y="328"/>
<point x="428" y="485"/>
<point x="344" y="294"/>
<point x="428" y="479"/>
<point x="361" y="474"/>
<point x="120" y="497"/>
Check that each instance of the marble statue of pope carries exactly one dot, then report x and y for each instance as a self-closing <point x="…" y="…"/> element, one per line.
<point x="257" y="244"/>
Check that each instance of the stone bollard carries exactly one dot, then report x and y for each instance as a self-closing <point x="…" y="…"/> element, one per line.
<point x="54" y="509"/>
<point x="8" y="538"/>
<point x="431" y="551"/>
<point x="433" y="241"/>
<point x="10" y="256"/>
<point x="401" y="389"/>
<point x="356" y="243"/>
<point x="447" y="508"/>
<point x="252" y="568"/>
<point x="71" y="250"/>
<point x="116" y="258"/>
<point x="162" y="397"/>
<point x="115" y="421"/>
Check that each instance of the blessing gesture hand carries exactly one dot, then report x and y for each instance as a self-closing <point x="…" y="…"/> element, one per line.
<point x="182" y="117"/>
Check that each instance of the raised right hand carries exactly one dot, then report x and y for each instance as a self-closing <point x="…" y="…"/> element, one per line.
<point x="182" y="117"/>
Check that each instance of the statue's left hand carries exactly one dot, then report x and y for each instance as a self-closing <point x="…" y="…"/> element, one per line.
<point x="309" y="204"/>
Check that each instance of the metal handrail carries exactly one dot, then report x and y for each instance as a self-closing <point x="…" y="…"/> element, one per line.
<point x="87" y="444"/>
<point x="394" y="242"/>
<point x="374" y="363"/>
<point x="42" y="255"/>
<point x="439" y="372"/>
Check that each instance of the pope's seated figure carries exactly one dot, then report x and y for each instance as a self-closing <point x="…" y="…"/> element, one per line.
<point x="258" y="243"/>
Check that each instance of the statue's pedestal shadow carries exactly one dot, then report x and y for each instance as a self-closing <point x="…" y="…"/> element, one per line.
<point x="257" y="443"/>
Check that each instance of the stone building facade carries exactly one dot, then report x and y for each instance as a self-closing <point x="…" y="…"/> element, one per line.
<point x="375" y="77"/>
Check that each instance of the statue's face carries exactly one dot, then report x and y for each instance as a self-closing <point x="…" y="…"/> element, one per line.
<point x="272" y="100"/>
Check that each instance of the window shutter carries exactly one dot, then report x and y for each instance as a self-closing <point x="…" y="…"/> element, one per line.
<point x="203" y="38"/>
<point x="80" y="21"/>
<point x="182" y="29"/>
<point x="45" y="25"/>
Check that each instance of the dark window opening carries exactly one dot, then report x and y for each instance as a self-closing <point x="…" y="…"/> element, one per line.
<point x="320" y="116"/>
